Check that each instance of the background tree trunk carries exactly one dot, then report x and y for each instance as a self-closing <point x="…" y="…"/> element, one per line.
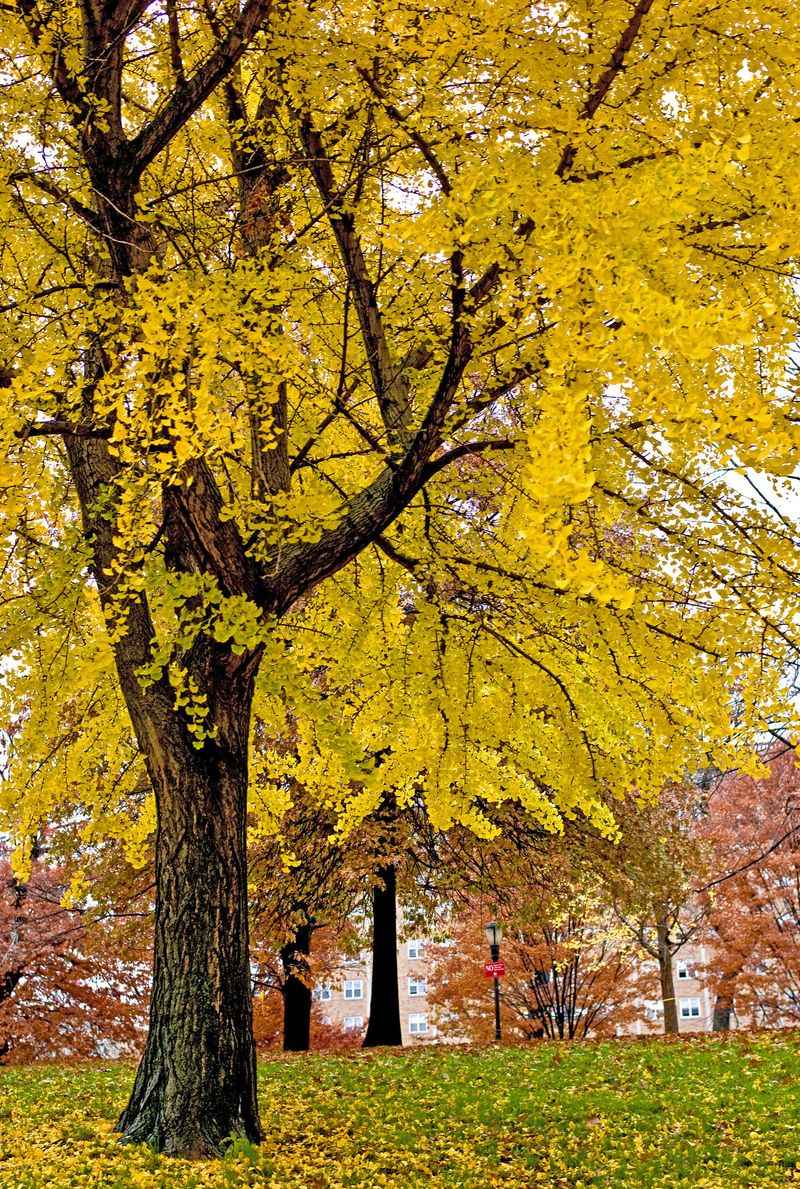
<point x="384" y="1008"/>
<point x="296" y="993"/>
<point x="667" y="979"/>
<point x="723" y="1009"/>
<point x="196" y="1084"/>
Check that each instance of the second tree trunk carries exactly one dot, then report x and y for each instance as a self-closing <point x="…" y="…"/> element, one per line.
<point x="384" y="1008"/>
<point x="296" y="992"/>
<point x="667" y="979"/>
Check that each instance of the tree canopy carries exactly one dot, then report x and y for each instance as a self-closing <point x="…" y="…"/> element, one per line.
<point x="491" y="313"/>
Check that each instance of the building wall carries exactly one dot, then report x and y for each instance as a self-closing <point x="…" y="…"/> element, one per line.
<point x="411" y="972"/>
<point x="695" y="1001"/>
<point x="690" y="993"/>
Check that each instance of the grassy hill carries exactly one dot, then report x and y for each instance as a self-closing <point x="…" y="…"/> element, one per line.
<point x="704" y="1113"/>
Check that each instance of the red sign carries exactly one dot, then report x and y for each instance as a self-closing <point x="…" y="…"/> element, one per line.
<point x="494" y="969"/>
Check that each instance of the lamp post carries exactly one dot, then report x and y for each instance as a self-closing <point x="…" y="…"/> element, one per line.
<point x="494" y="933"/>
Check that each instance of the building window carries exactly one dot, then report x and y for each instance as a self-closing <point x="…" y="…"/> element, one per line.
<point x="690" y="1009"/>
<point x="323" y="993"/>
<point x="417" y="1025"/>
<point x="352" y="1023"/>
<point x="417" y="986"/>
<point x="354" y="988"/>
<point x="683" y="970"/>
<point x="414" y="949"/>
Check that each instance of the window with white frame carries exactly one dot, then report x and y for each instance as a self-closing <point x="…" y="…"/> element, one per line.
<point x="682" y="970"/>
<point x="690" y="1009"/>
<point x="417" y="1024"/>
<point x="417" y="986"/>
<point x="351" y="1023"/>
<point x="354" y="988"/>
<point x="414" y="949"/>
<point x="323" y="993"/>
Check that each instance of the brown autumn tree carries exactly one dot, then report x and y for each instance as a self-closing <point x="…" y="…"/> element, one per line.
<point x="568" y="962"/>
<point x="568" y="973"/>
<point x="74" y="982"/>
<point x="650" y="878"/>
<point x="752" y="901"/>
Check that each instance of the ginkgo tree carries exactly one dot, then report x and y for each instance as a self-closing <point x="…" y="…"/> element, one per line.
<point x="381" y="366"/>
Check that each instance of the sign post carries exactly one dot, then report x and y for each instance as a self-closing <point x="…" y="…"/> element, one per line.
<point x="495" y="969"/>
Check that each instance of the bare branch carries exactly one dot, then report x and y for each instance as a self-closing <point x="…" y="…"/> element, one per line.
<point x="466" y="451"/>
<point x="607" y="78"/>
<point x="389" y="382"/>
<point x="187" y="98"/>
<point x="414" y="136"/>
<point x="176" y="57"/>
<point x="62" y="429"/>
<point x="53" y="190"/>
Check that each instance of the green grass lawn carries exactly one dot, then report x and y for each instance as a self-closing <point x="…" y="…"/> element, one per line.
<point x="700" y="1113"/>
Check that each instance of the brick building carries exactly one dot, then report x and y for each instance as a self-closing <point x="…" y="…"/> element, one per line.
<point x="695" y="999"/>
<point x="344" y="998"/>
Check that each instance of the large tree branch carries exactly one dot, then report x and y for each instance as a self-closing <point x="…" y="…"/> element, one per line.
<point x="187" y="97"/>
<point x="486" y="283"/>
<point x="261" y="181"/>
<point x="466" y="450"/>
<point x="368" y="513"/>
<point x="56" y="428"/>
<point x="199" y="539"/>
<point x="44" y="183"/>
<point x="604" y="84"/>
<point x="416" y="137"/>
<point x="64" y="81"/>
<point x="389" y="381"/>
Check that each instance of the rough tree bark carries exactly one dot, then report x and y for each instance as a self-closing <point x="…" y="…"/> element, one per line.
<point x="384" y="1009"/>
<point x="12" y="977"/>
<point x="296" y="993"/>
<point x="667" y="978"/>
<point x="196" y="1084"/>
<point x="726" y="987"/>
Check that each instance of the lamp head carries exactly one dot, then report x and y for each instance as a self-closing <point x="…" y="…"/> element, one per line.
<point x="494" y="933"/>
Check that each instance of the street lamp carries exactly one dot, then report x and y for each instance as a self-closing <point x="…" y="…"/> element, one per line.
<point x="494" y="934"/>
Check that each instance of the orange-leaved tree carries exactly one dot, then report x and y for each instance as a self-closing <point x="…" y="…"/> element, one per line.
<point x="73" y="983"/>
<point x="752" y="901"/>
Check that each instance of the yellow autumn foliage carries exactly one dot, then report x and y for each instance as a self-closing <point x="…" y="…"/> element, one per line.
<point x="584" y="216"/>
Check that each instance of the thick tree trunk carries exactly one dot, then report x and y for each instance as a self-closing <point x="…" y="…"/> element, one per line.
<point x="196" y="1084"/>
<point x="296" y="993"/>
<point x="384" y="1008"/>
<point x="667" y="979"/>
